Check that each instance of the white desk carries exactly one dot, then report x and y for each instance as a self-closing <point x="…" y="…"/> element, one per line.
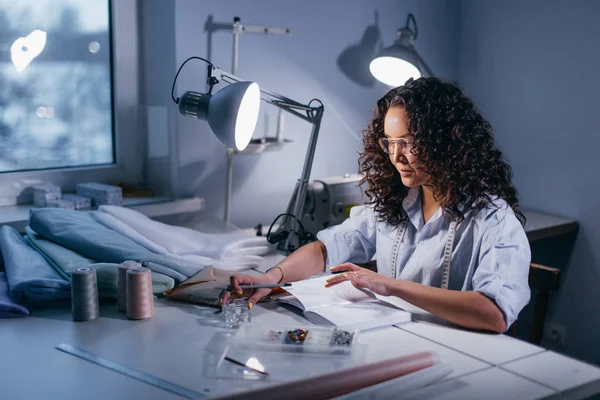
<point x="490" y="384"/>
<point x="494" y="349"/>
<point x="178" y="342"/>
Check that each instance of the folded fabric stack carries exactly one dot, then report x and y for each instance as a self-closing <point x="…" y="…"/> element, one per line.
<point x="9" y="308"/>
<point x="80" y="232"/>
<point x="65" y="261"/>
<point x="58" y="241"/>
<point x="30" y="277"/>
<point x="230" y="251"/>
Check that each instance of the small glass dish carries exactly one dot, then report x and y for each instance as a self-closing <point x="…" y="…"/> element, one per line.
<point x="236" y="312"/>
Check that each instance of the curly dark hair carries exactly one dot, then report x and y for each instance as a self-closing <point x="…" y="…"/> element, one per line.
<point x="453" y="141"/>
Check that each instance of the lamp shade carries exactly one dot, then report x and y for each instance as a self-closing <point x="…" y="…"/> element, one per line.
<point x="394" y="65"/>
<point x="398" y="63"/>
<point x="231" y="113"/>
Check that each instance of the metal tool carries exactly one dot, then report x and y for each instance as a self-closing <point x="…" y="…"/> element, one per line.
<point x="234" y="361"/>
<point x="132" y="373"/>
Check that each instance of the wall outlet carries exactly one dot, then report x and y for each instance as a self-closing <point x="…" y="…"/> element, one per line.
<point x="555" y="335"/>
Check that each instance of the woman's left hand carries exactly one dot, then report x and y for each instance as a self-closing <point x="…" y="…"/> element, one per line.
<point x="361" y="278"/>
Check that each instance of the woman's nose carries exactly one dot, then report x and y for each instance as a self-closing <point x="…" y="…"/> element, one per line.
<point x="398" y="157"/>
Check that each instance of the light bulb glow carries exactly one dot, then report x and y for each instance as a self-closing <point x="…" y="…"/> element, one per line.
<point x="247" y="116"/>
<point x="393" y="71"/>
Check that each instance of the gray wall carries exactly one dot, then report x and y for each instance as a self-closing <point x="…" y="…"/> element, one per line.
<point x="300" y="66"/>
<point x="532" y="68"/>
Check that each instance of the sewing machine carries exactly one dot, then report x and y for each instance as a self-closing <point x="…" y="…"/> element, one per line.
<point x="328" y="201"/>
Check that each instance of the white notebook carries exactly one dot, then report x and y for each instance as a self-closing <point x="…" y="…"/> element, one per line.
<point x="342" y="305"/>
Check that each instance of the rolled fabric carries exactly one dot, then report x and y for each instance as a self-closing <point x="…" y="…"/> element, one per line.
<point x="338" y="383"/>
<point x="8" y="307"/>
<point x="401" y="386"/>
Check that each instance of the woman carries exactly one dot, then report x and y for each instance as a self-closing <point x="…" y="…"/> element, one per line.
<point x="442" y="216"/>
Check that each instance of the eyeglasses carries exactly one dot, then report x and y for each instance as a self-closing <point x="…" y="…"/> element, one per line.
<point x="389" y="145"/>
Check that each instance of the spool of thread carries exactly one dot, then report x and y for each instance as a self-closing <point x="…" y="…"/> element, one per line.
<point x="122" y="283"/>
<point x="140" y="299"/>
<point x="84" y="295"/>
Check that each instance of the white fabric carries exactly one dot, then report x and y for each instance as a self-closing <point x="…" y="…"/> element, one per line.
<point x="234" y="252"/>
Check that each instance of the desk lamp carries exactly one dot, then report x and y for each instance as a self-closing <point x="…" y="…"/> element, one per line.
<point x="232" y="113"/>
<point x="396" y="64"/>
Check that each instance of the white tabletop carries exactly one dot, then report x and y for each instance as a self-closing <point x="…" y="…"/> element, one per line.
<point x="554" y="370"/>
<point x="33" y="369"/>
<point x="490" y="383"/>
<point x="492" y="348"/>
<point x="392" y="342"/>
<point x="182" y="342"/>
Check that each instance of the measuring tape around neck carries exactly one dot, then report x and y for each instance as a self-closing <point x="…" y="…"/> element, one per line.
<point x="447" y="251"/>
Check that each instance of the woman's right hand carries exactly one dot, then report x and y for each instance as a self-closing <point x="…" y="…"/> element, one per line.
<point x="253" y="294"/>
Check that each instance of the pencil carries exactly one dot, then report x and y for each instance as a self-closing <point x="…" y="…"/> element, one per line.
<point x="257" y="286"/>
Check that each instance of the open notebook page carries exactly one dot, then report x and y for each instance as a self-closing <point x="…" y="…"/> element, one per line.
<point x="361" y="316"/>
<point x="312" y="294"/>
<point x="343" y="305"/>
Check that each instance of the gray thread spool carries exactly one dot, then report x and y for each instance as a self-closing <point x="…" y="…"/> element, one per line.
<point x="84" y="295"/>
<point x="140" y="299"/>
<point x="122" y="283"/>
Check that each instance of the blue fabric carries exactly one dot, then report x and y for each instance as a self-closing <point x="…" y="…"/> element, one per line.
<point x="80" y="232"/>
<point x="491" y="252"/>
<point x="8" y="307"/>
<point x="65" y="261"/>
<point x="30" y="277"/>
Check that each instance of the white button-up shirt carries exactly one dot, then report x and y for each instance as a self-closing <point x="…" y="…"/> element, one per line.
<point x="490" y="252"/>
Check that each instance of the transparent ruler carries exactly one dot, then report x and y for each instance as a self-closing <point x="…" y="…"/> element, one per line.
<point x="140" y="376"/>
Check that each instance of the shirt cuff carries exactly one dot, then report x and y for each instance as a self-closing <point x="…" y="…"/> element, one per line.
<point x="496" y="291"/>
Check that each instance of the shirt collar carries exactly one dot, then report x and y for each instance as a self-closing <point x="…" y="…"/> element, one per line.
<point x="414" y="211"/>
<point x="412" y="198"/>
<point x="412" y="207"/>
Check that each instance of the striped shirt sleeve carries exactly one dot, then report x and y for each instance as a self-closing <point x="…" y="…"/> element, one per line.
<point x="503" y="269"/>
<point x="351" y="241"/>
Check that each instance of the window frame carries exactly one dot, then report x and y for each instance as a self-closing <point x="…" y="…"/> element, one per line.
<point x="129" y="145"/>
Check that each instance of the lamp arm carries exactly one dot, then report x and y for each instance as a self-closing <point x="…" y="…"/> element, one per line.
<point x="288" y="237"/>
<point x="267" y="95"/>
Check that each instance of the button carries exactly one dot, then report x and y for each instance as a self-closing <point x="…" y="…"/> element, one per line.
<point x="420" y="242"/>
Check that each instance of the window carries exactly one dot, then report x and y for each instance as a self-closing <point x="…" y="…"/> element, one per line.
<point x="68" y="88"/>
<point x="55" y="84"/>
